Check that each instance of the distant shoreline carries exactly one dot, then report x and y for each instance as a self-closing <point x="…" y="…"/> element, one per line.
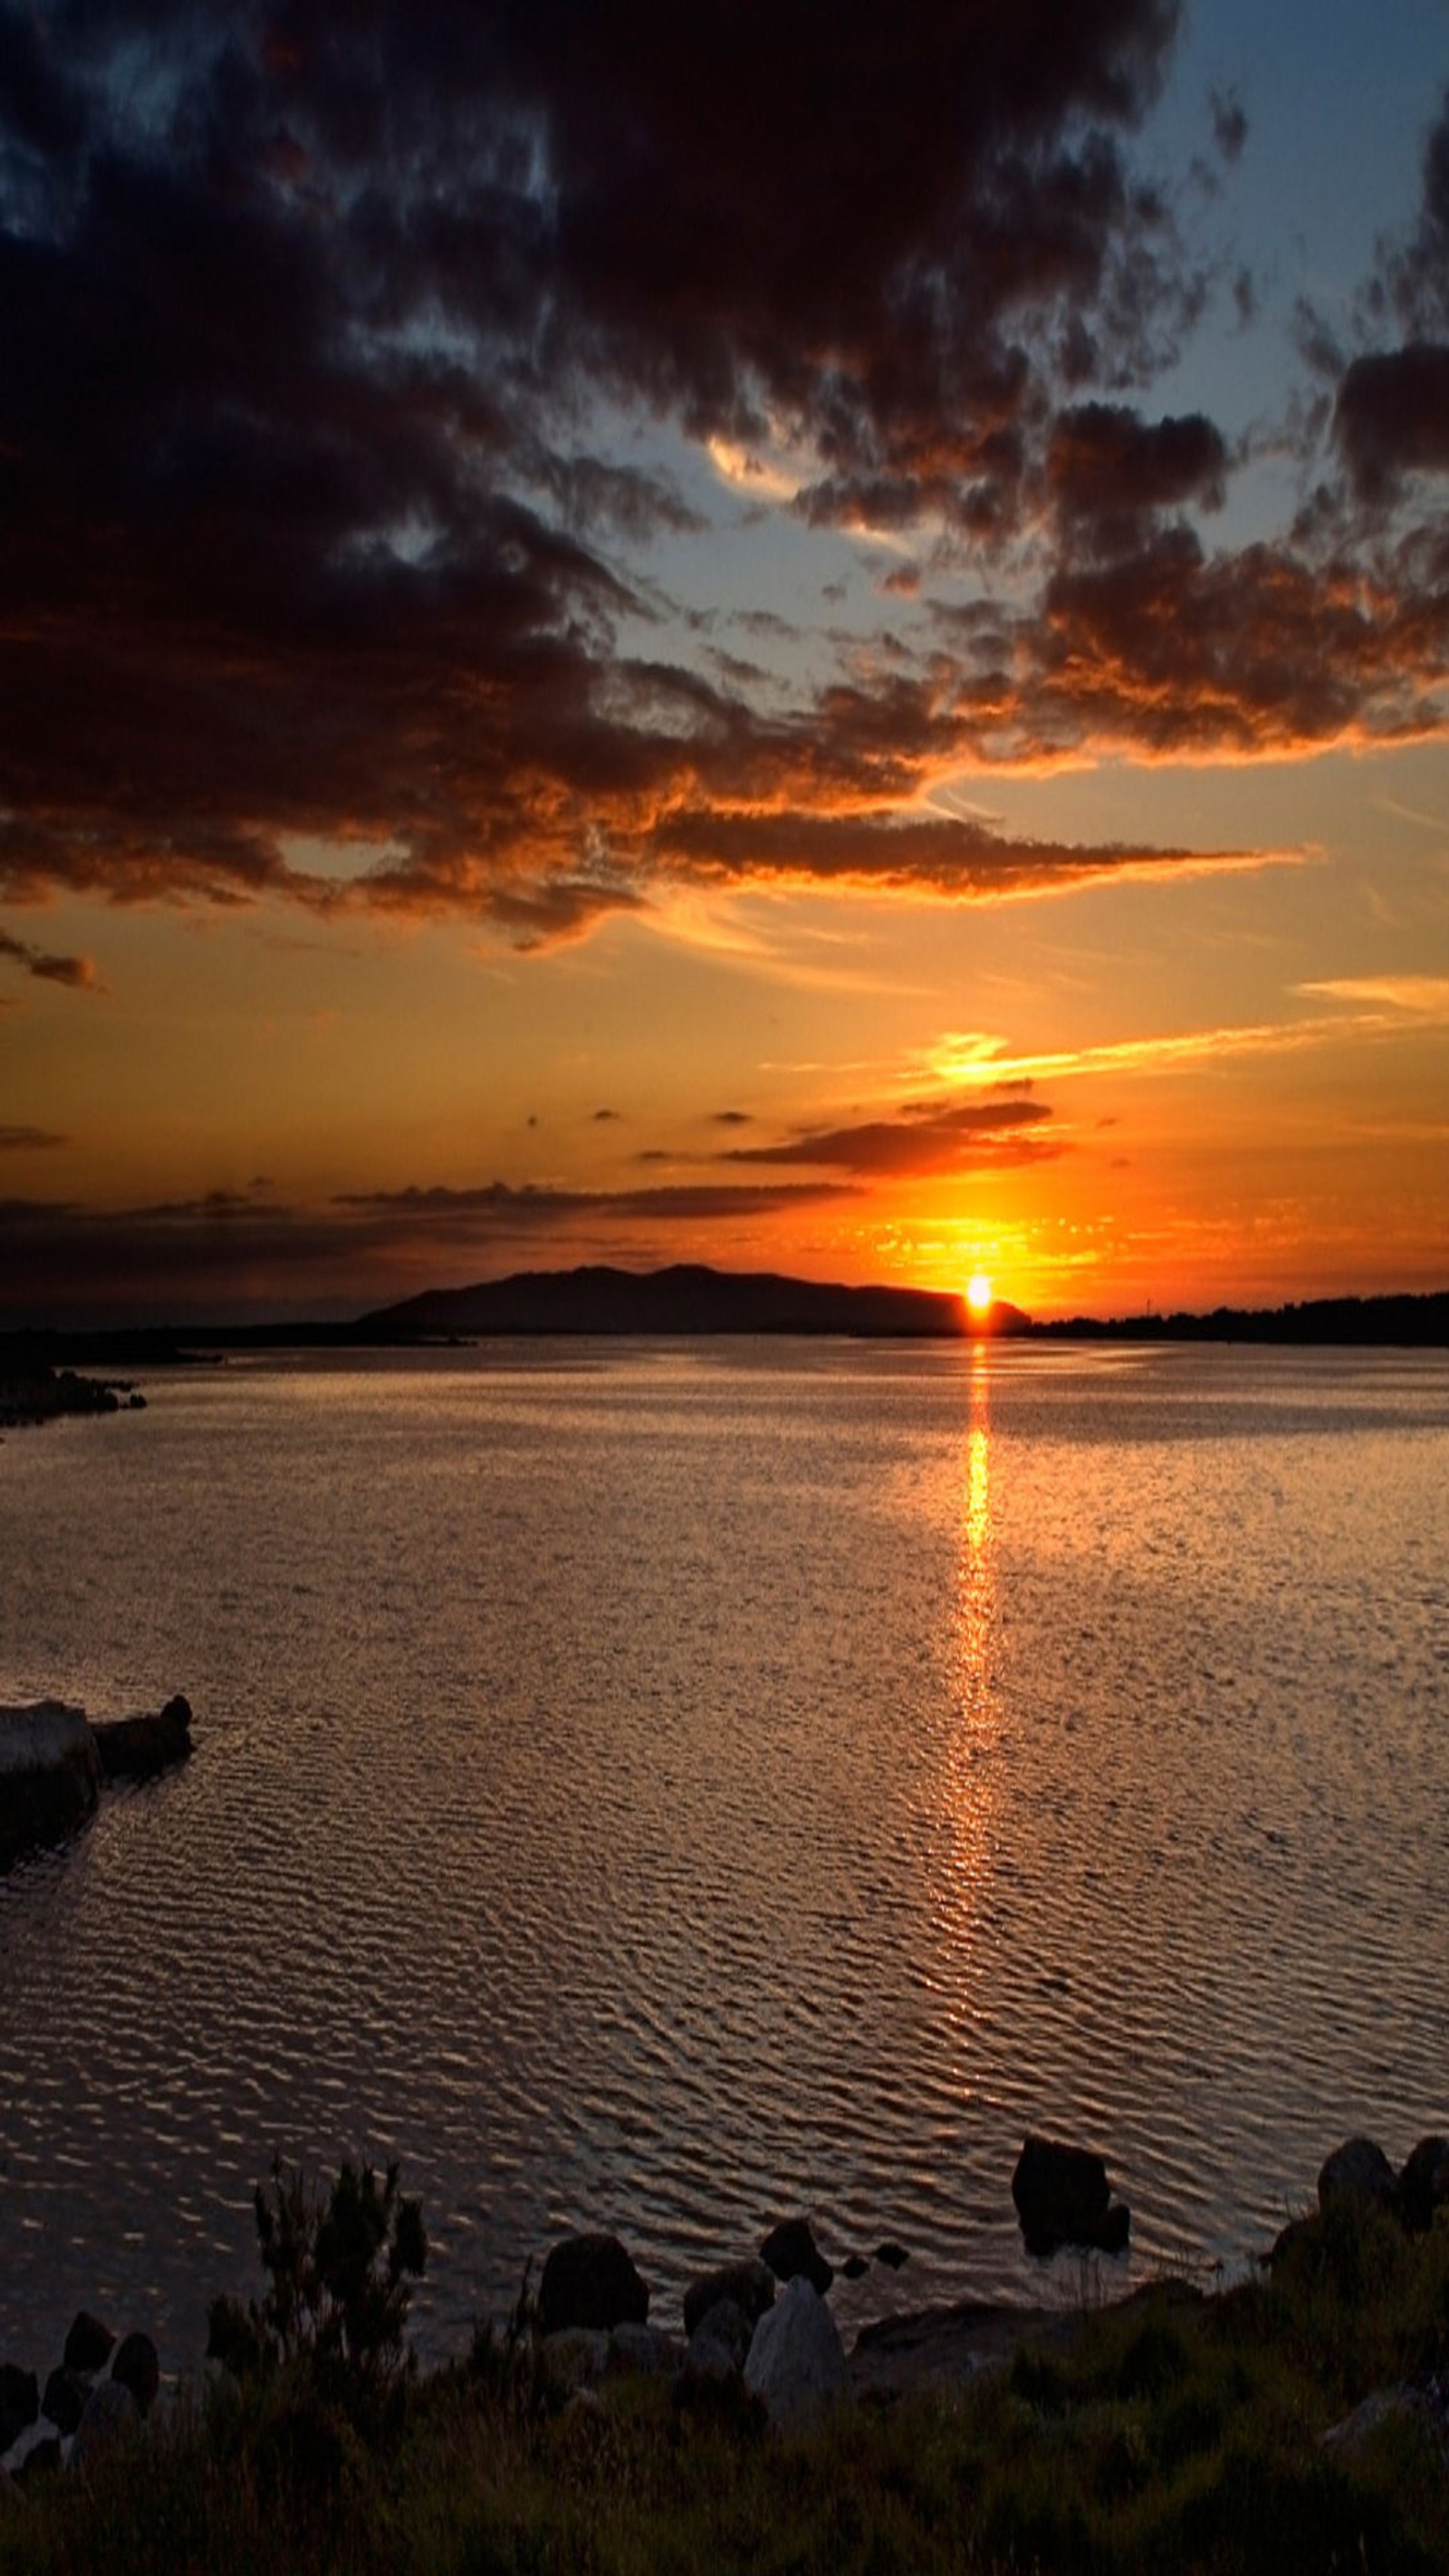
<point x="688" y="1303"/>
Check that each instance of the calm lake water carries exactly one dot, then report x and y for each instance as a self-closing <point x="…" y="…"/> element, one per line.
<point x="666" y="1787"/>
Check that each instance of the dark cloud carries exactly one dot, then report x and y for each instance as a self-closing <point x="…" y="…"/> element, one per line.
<point x="932" y="854"/>
<point x="928" y="1136"/>
<point x="27" y="1140"/>
<point x="1174" y="650"/>
<point x="1230" y="123"/>
<point x="1109" y="471"/>
<point x="78" y="972"/>
<point x="303" y="310"/>
<point x="1391" y="417"/>
<point x="1413" y="283"/>
<point x="224" y="1255"/>
<point x="333" y="342"/>
<point x="537" y="1205"/>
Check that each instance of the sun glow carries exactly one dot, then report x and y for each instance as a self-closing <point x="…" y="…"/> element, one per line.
<point x="978" y="1293"/>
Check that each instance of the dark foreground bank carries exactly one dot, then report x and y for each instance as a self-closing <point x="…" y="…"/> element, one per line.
<point x="1297" y="2422"/>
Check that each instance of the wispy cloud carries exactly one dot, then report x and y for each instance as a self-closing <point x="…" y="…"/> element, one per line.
<point x="29" y="1140"/>
<point x="1424" y="997"/>
<point x="78" y="972"/>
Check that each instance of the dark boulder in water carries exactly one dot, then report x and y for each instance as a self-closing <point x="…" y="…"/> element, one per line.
<point x="1358" y="2175"/>
<point x="89" y="2345"/>
<point x="1423" y="2186"/>
<point x="1063" y="2197"/>
<point x="136" y="1748"/>
<point x="590" y="2281"/>
<point x="50" y="1775"/>
<point x="793" y="2255"/>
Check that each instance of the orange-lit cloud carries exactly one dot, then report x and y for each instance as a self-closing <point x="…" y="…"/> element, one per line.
<point x="925" y="1137"/>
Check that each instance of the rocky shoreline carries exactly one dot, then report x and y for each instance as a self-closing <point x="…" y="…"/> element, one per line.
<point x="55" y="1761"/>
<point x="760" y="2324"/>
<point x="33" y="1392"/>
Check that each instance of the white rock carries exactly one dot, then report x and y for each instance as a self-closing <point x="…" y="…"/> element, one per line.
<point x="796" y="2364"/>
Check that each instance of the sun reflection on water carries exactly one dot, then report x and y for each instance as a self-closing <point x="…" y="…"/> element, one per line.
<point x="969" y="1786"/>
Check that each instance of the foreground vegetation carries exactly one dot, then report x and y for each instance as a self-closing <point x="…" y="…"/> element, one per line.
<point x="1172" y="2432"/>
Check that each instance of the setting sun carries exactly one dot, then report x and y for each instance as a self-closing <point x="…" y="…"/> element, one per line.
<point x="978" y="1292"/>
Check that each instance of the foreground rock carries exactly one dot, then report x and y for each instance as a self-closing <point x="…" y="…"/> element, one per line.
<point x="94" y="2397"/>
<point x="590" y="2281"/>
<point x="1357" y="2175"/>
<point x="1063" y="2197"/>
<point x="792" y="2254"/>
<point x="50" y="1775"/>
<point x="19" y="2402"/>
<point x="749" y="2286"/>
<point x="796" y="2365"/>
<point x="1423" y="2186"/>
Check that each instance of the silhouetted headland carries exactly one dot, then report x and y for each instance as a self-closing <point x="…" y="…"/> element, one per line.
<point x="686" y="1299"/>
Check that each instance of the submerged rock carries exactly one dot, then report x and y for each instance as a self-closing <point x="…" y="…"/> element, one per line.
<point x="1063" y="2197"/>
<point x="796" y="2364"/>
<point x="590" y="2281"/>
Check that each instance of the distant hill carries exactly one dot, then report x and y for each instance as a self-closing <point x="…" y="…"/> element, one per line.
<point x="686" y="1299"/>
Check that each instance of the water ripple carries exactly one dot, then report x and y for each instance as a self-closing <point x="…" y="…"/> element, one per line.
<point x="663" y="1789"/>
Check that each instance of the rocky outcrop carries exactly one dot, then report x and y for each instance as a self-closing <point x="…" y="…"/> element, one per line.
<point x="796" y="2365"/>
<point x="54" y="1763"/>
<point x="590" y="2281"/>
<point x="96" y="2394"/>
<point x="1063" y="2197"/>
<point x="50" y="1775"/>
<point x="137" y="1748"/>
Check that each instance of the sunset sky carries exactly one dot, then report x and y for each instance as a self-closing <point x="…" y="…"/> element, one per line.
<point x="799" y="637"/>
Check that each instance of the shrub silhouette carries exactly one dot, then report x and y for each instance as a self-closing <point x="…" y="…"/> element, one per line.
<point x="339" y="2280"/>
